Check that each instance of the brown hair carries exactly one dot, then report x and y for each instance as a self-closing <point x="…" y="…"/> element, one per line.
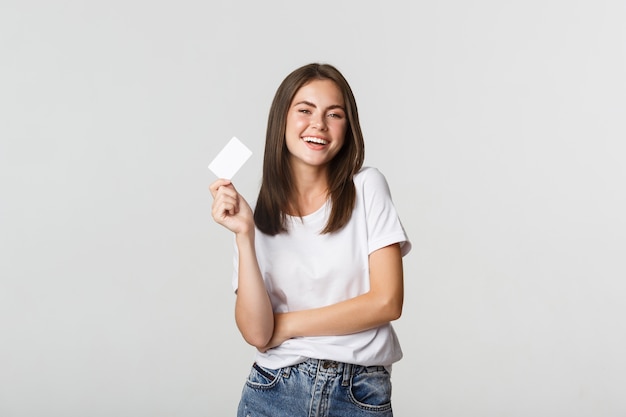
<point x="277" y="188"/>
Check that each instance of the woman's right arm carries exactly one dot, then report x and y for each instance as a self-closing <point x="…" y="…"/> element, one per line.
<point x="253" y="310"/>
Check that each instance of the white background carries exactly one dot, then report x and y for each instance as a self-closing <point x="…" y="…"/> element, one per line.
<point x="500" y="126"/>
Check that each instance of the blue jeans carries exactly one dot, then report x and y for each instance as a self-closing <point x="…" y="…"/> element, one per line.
<point x="317" y="388"/>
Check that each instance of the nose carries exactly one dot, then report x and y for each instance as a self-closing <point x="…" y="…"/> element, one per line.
<point x="320" y="122"/>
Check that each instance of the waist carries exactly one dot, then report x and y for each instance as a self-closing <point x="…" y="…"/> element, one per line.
<point x="369" y="348"/>
<point x="316" y="366"/>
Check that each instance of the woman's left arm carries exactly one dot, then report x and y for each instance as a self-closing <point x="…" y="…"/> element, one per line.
<point x="380" y="305"/>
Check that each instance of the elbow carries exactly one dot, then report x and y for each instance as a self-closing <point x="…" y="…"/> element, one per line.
<point x="391" y="310"/>
<point x="256" y="334"/>
<point x="256" y="327"/>
<point x="258" y="341"/>
<point x="395" y="312"/>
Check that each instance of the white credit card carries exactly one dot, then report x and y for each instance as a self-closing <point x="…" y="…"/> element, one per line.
<point x="230" y="159"/>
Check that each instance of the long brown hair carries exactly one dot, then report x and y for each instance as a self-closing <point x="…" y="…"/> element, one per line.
<point x="277" y="188"/>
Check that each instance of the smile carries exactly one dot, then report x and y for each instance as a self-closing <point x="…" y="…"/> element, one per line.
<point x="311" y="139"/>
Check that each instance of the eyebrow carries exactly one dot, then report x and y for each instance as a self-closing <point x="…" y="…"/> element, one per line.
<point x="331" y="107"/>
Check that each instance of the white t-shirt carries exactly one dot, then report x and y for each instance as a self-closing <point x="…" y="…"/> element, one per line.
<point x="304" y="269"/>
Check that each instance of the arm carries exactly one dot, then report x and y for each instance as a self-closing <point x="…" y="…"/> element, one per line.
<point x="253" y="310"/>
<point x="380" y="305"/>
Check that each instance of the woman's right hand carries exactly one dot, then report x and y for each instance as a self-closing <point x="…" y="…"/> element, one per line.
<point x="230" y="209"/>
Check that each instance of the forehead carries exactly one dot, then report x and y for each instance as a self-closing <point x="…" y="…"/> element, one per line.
<point x="320" y="91"/>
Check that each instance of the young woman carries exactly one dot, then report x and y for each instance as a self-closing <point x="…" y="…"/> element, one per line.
<point x="319" y="271"/>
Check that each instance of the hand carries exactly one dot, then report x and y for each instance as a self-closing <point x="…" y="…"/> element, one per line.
<point x="229" y="208"/>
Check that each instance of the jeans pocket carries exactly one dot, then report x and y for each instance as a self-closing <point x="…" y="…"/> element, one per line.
<point x="262" y="378"/>
<point x="370" y="389"/>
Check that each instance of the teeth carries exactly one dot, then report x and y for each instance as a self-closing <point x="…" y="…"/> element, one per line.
<point x="315" y="140"/>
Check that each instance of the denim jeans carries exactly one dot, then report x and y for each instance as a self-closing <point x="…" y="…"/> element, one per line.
<point x="317" y="388"/>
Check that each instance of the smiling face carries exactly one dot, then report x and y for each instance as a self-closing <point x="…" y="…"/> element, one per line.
<point x="316" y="123"/>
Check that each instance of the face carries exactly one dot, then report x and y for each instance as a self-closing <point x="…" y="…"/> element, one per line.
<point x="316" y="123"/>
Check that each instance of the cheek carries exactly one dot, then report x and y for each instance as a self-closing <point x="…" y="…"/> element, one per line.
<point x="340" y="140"/>
<point x="295" y="123"/>
<point x="341" y="130"/>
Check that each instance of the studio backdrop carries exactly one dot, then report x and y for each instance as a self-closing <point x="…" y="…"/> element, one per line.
<point x="498" y="125"/>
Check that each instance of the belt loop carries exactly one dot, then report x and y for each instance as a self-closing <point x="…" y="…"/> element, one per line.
<point x="347" y="375"/>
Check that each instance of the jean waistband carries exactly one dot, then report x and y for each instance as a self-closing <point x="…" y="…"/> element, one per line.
<point x="330" y="367"/>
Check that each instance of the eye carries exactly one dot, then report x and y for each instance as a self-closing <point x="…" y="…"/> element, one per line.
<point x="335" y="115"/>
<point x="304" y="111"/>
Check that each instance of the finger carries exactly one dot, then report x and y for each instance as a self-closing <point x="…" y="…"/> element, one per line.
<point x="223" y="207"/>
<point x="222" y="214"/>
<point x="216" y="185"/>
<point x="225" y="196"/>
<point x="226" y="191"/>
<point x="226" y="202"/>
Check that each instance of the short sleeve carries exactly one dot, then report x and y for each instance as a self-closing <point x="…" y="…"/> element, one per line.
<point x="383" y="223"/>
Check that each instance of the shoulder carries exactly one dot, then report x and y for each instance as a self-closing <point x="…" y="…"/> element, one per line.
<point x="370" y="177"/>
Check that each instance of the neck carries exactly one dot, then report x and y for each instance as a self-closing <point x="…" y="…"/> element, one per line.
<point x="311" y="189"/>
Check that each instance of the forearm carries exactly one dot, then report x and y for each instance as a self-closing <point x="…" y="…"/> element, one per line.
<point x="380" y="305"/>
<point x="253" y="309"/>
<point x="361" y="313"/>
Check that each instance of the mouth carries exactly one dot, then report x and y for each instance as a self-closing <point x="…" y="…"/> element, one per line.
<point x="317" y="141"/>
